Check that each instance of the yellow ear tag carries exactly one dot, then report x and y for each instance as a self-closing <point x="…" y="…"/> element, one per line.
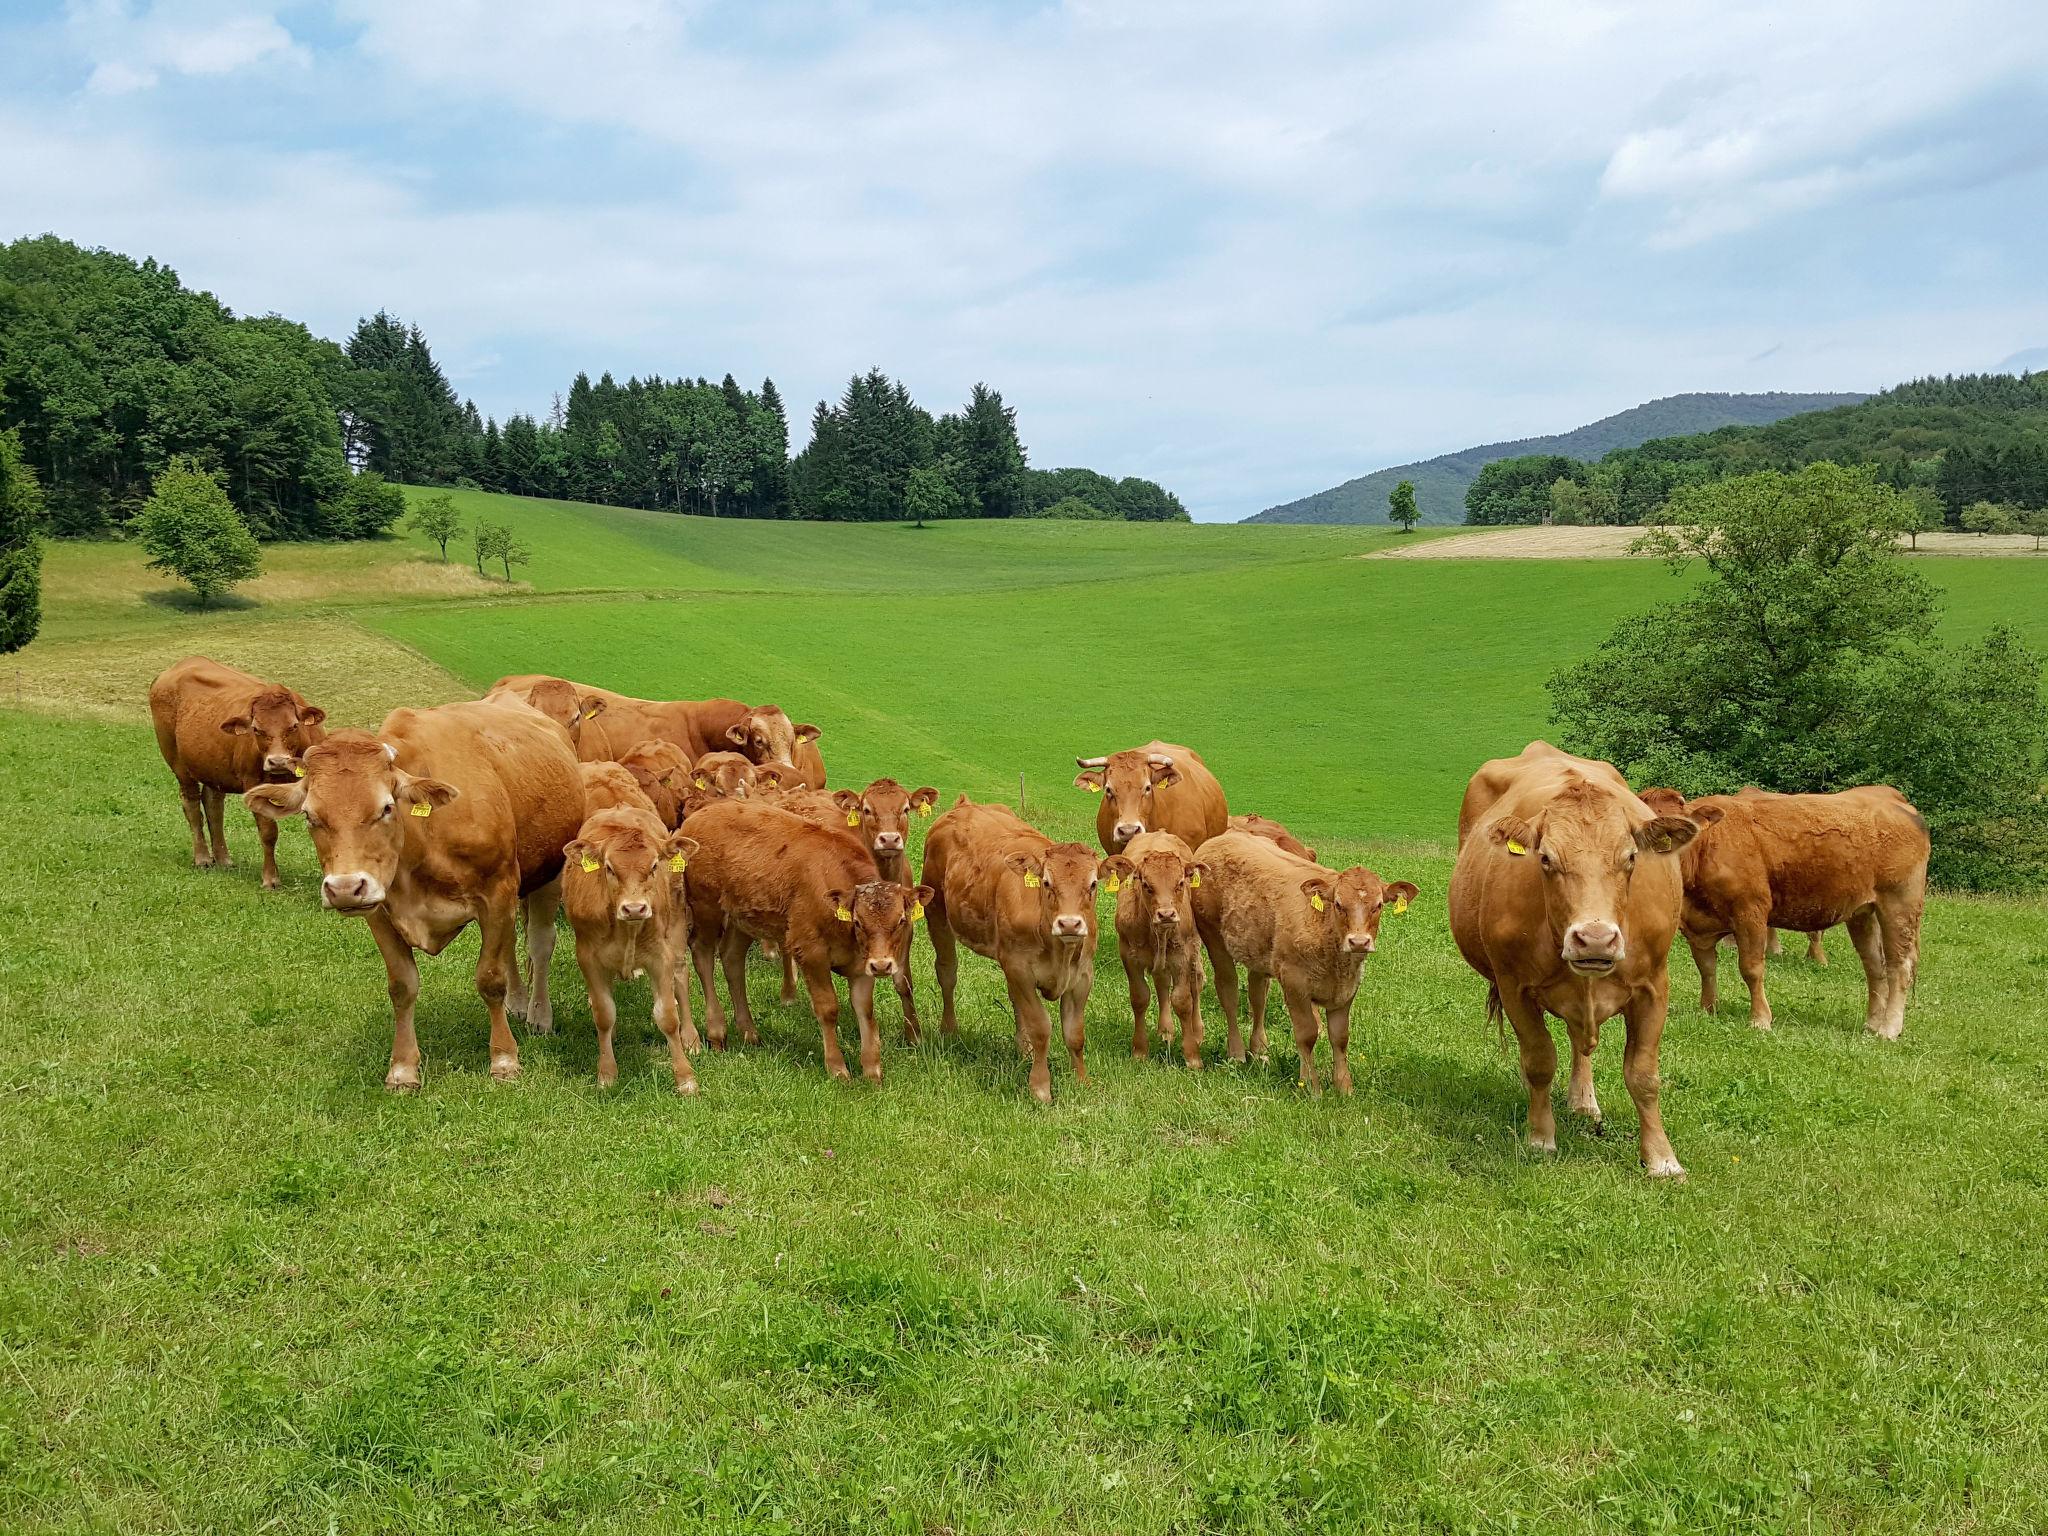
<point x="422" y="808"/>
<point x="589" y="865"/>
<point x="1094" y="789"/>
<point x="843" y="915"/>
<point x="590" y="714"/>
<point x="1112" y="885"/>
<point x="1316" y="902"/>
<point x="1194" y="882"/>
<point x="917" y="911"/>
<point x="1400" y="905"/>
<point x="703" y="783"/>
<point x="298" y="770"/>
<point x="677" y="863"/>
<point x="853" y="818"/>
<point x="1516" y="848"/>
<point x="1031" y="879"/>
<point x="924" y="810"/>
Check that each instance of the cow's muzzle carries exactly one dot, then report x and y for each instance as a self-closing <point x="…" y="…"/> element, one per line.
<point x="352" y="893"/>
<point x="1358" y="944"/>
<point x="1592" y="949"/>
<point x="635" y="911"/>
<point x="1124" y="831"/>
<point x="1070" y="928"/>
<point x="882" y="967"/>
<point x="888" y="842"/>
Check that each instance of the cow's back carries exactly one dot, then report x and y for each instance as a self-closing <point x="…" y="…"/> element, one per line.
<point x="188" y="702"/>
<point x="1817" y="858"/>
<point x="1243" y="898"/>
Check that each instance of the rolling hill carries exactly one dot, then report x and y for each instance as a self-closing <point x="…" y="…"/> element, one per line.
<point x="1440" y="483"/>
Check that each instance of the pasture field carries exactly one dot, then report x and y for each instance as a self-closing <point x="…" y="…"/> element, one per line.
<point x="243" y="1289"/>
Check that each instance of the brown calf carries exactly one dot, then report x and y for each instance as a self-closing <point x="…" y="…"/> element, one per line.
<point x="1565" y="898"/>
<point x="1287" y="918"/>
<point x="1273" y="832"/>
<point x="555" y="697"/>
<point x="446" y="817"/>
<point x="1027" y="903"/>
<point x="626" y="894"/>
<point x="1158" y="787"/>
<point x="614" y="723"/>
<point x="663" y="774"/>
<point x="221" y="732"/>
<point x="728" y="775"/>
<point x="1155" y="880"/>
<point x="608" y="786"/>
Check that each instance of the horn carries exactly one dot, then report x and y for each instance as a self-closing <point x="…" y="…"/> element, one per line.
<point x="390" y="752"/>
<point x="1159" y="759"/>
<point x="1091" y="762"/>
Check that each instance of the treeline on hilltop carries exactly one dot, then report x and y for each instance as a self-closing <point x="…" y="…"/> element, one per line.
<point x="111" y="369"/>
<point x="1954" y="444"/>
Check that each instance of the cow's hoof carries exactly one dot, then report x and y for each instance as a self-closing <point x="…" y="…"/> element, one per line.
<point x="608" y="1079"/>
<point x="1886" y="1031"/>
<point x="1664" y="1168"/>
<point x="687" y="1088"/>
<point x="1542" y="1147"/>
<point x="873" y="1077"/>
<point x="402" y="1080"/>
<point x="841" y="1074"/>
<point x="272" y="883"/>
<point x="1043" y="1095"/>
<point x="1194" y="1064"/>
<point x="1762" y="1026"/>
<point x="540" y="1021"/>
<point x="505" y="1069"/>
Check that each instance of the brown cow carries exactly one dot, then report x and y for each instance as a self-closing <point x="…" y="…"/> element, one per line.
<point x="1154" y="880"/>
<point x="1158" y="787"/>
<point x="663" y="774"/>
<point x="1807" y="862"/>
<point x="765" y="873"/>
<point x="1565" y="898"/>
<point x="555" y="697"/>
<point x="768" y="738"/>
<point x="608" y="787"/>
<point x="446" y="817"/>
<point x="1282" y="916"/>
<point x="1273" y="832"/>
<point x="698" y="726"/>
<point x="1025" y="902"/>
<point x="221" y="732"/>
<point x="728" y="775"/>
<point x="625" y="891"/>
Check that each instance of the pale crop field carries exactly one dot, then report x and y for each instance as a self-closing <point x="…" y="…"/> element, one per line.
<point x="243" y="1289"/>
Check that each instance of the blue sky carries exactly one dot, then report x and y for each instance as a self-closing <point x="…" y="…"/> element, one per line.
<point x="1245" y="250"/>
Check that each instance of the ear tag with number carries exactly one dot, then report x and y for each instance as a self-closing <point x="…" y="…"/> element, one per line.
<point x="924" y="810"/>
<point x="1031" y="879"/>
<point x="1094" y="789"/>
<point x="677" y="863"/>
<point x="1400" y="905"/>
<point x="853" y="818"/>
<point x="1194" y="882"/>
<point x="298" y="770"/>
<point x="703" y="783"/>
<point x="1112" y="885"/>
<point x="843" y="915"/>
<point x="917" y="911"/>
<point x="1516" y="848"/>
<point x="589" y="865"/>
<point x="1316" y="902"/>
<point x="422" y="808"/>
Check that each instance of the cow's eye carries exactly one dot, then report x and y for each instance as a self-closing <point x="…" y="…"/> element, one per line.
<point x="1148" y="789"/>
<point x="314" y="823"/>
<point x="385" y="814"/>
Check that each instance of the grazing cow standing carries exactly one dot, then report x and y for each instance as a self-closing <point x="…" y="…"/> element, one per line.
<point x="624" y="888"/>
<point x="621" y="722"/>
<point x="1274" y="832"/>
<point x="221" y="732"/>
<point x="1565" y="899"/>
<point x="1027" y="903"/>
<point x="1155" y="880"/>
<point x="445" y="817"/>
<point x="1806" y="862"/>
<point x="765" y="873"/>
<point x="1288" y="918"/>
<point x="1158" y="787"/>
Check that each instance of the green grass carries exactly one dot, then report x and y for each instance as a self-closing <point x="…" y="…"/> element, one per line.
<point x="243" y="1289"/>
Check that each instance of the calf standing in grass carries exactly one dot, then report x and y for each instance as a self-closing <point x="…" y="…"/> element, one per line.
<point x="1287" y="918"/>
<point x="626" y="894"/>
<point x="1025" y="902"/>
<point x="222" y="732"/>
<point x="1155" y="880"/>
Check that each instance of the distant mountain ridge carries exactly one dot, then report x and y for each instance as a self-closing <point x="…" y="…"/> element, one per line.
<point x="1441" y="482"/>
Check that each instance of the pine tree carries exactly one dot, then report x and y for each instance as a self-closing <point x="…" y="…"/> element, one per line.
<point x="994" y="457"/>
<point x="21" y="557"/>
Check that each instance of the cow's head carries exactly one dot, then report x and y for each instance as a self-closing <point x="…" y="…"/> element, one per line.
<point x="728" y="775"/>
<point x="1127" y="781"/>
<point x="766" y="735"/>
<point x="663" y="774"/>
<point x="1162" y="876"/>
<point x="1587" y="843"/>
<point x="881" y="813"/>
<point x="881" y="914"/>
<point x="1062" y="880"/>
<point x="633" y="857"/>
<point x="1346" y="909"/>
<point x="283" y="726"/>
<point x="360" y="807"/>
<point x="558" y="699"/>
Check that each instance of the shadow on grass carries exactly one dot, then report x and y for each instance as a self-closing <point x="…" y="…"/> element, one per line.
<point x="181" y="601"/>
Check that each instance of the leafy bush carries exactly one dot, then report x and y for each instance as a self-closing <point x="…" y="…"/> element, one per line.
<point x="21" y="557"/>
<point x="192" y="531"/>
<point x="366" y="508"/>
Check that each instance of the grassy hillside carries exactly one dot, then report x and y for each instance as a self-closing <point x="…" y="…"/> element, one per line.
<point x="1441" y="483"/>
<point x="243" y="1289"/>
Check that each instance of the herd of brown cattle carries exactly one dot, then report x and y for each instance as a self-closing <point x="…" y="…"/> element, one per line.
<point x="697" y="829"/>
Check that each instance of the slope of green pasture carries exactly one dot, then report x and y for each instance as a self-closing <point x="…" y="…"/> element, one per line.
<point x="242" y="1289"/>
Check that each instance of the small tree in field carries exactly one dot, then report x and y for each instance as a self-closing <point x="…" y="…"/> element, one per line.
<point x="437" y="519"/>
<point x="1401" y="506"/>
<point x="929" y="494"/>
<point x="21" y="557"/>
<point x="511" y="552"/>
<point x="1988" y="517"/>
<point x="484" y="538"/>
<point x="2035" y="525"/>
<point x="192" y="531"/>
<point x="1926" y="514"/>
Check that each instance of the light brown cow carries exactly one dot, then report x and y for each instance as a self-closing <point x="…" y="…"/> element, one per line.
<point x="221" y="732"/>
<point x="698" y="726"/>
<point x="1289" y="919"/>
<point x="764" y="873"/>
<point x="608" y="786"/>
<point x="770" y="739"/>
<point x="1273" y="832"/>
<point x="1806" y="862"/>
<point x="625" y="890"/>
<point x="555" y="697"/>
<point x="663" y="774"/>
<point x="1565" y="899"/>
<point x="1155" y="880"/>
<point x="1027" y="903"/>
<point x="445" y="817"/>
<point x="728" y="775"/>
<point x="1158" y="787"/>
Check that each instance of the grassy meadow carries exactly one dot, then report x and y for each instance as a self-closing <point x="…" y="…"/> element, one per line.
<point x="243" y="1289"/>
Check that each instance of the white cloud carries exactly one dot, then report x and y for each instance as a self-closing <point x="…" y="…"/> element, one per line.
<point x="132" y="50"/>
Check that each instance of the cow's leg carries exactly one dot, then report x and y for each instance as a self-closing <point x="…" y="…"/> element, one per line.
<point x="1303" y="1012"/>
<point x="604" y="1015"/>
<point x="1776" y="946"/>
<point x="1868" y="937"/>
<point x="402" y="983"/>
<point x="1579" y="1097"/>
<point x="497" y="958"/>
<point x="1338" y="1021"/>
<point x="1645" y="1016"/>
<point x="1141" y="1005"/>
<point x="1539" y="1065"/>
<point x="1750" y="934"/>
<point x="1255" y="984"/>
<point x="669" y="984"/>
<point x="860" y="991"/>
<point x="680" y="956"/>
<point x="1187" y="1006"/>
<point x="1706" y="958"/>
<point x="1034" y="1028"/>
<point x="216" y="827"/>
<point x="1073" y="1027"/>
<point x="945" y="964"/>
<point x="825" y="1004"/>
<point x="540" y="955"/>
<point x="732" y="955"/>
<point x="704" y="945"/>
<point x="788" y="979"/>
<point x="266" y="834"/>
<point x="1898" y="917"/>
<point x="191" y="800"/>
<point x="1814" y="952"/>
<point x="1224" y="969"/>
<point x="905" y="994"/>
<point x="1162" y="993"/>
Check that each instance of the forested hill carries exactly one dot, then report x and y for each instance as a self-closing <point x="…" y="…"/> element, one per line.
<point x="1441" y="483"/>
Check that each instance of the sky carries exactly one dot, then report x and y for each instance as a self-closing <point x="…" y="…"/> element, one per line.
<point x="1246" y="250"/>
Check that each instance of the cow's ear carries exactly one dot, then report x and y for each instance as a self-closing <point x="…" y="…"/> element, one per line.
<point x="312" y="714"/>
<point x="276" y="801"/>
<point x="240" y="725"/>
<point x="1515" y="834"/>
<point x="1398" y="895"/>
<point x="1665" y="802"/>
<point x="1319" y="892"/>
<point x="921" y="898"/>
<point x="1197" y="873"/>
<point x="840" y="899"/>
<point x="923" y="798"/>
<point x="1026" y="865"/>
<point x="582" y="856"/>
<point x="1706" y="815"/>
<point x="736" y="734"/>
<point x="849" y="801"/>
<point x="1089" y="779"/>
<point x="808" y="733"/>
<point x="1116" y="867"/>
<point x="591" y="707"/>
<point x="1667" y="834"/>
<point x="428" y="792"/>
<point x="680" y="847"/>
<point x="1165" y="778"/>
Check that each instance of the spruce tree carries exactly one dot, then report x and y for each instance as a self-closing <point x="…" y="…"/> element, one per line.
<point x="21" y="557"/>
